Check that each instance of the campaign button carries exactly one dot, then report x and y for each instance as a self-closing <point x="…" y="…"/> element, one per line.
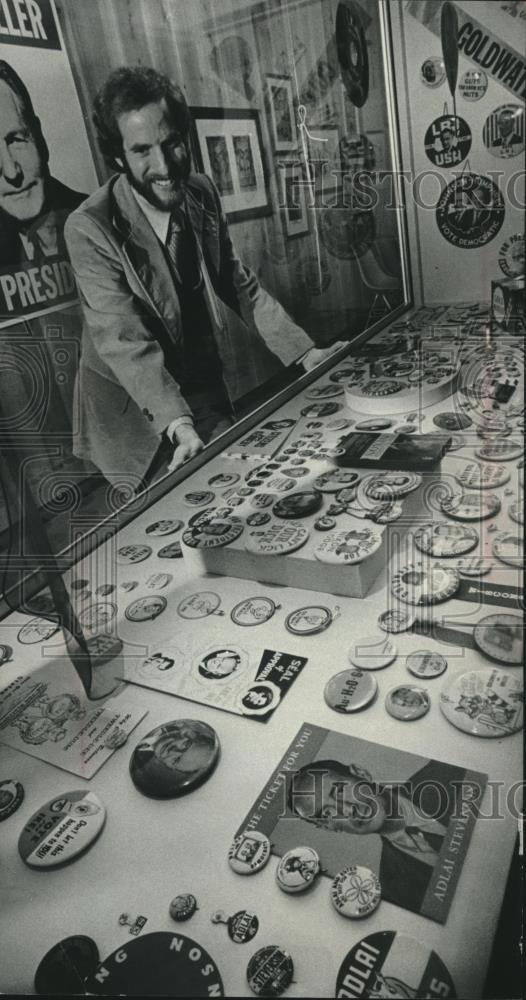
<point x="396" y="620"/>
<point x="223" y="479"/>
<point x="198" y="498"/>
<point x="129" y="554"/>
<point x="310" y="619"/>
<point x="145" y="609"/>
<point x="36" y="630"/>
<point x="474" y="566"/>
<point x="11" y="797"/>
<point x="389" y="964"/>
<point x="374" y="425"/>
<point x="61" y="829"/>
<point x="407" y="702"/>
<point x="199" y="605"/>
<point x="213" y="534"/>
<point x="335" y="480"/>
<point x="166" y="527"/>
<point x="276" y="538"/>
<point x="474" y="476"/>
<point x="242" y="926"/>
<point x="426" y="663"/>
<point x="257" y="518"/>
<point x="487" y="703"/>
<point x="452" y="421"/>
<point x="509" y="549"/>
<point x="183" y="907"/>
<point x="418" y="585"/>
<point x="321" y="409"/>
<point x="261" y="500"/>
<point x="270" y="971"/>
<point x="253" y="611"/>
<point x="501" y="637"/>
<point x="158" y="581"/>
<point x="174" y="758"/>
<point x="172" y="551"/>
<point x="470" y="506"/>
<point x="63" y="969"/>
<point x="297" y="505"/>
<point x="348" y="547"/>
<point x="350" y="691"/>
<point x="324" y="391"/>
<point x="442" y="539"/>
<point x="6" y="652"/>
<point x="516" y="511"/>
<point x="500" y="451"/>
<point x="249" y="852"/>
<point x="373" y="652"/>
<point x="162" y="964"/>
<point x="390" y="485"/>
<point x="356" y="891"/>
<point x="297" y="869"/>
<point x="324" y="523"/>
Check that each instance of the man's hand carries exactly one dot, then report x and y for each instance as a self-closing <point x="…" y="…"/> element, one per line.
<point x="188" y="445"/>
<point x="318" y="354"/>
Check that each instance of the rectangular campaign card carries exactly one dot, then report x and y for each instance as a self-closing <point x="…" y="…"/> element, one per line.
<point x="49" y="717"/>
<point x="408" y="818"/>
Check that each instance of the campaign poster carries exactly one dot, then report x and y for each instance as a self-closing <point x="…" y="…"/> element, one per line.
<point x="46" y="163"/>
<point x="408" y="818"/>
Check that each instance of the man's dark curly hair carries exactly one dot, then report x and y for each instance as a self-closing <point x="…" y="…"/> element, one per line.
<point x="128" y="89"/>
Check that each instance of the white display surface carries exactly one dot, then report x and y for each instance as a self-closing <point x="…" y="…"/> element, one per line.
<point x="152" y="850"/>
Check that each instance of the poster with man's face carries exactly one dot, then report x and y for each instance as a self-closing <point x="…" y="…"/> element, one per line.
<point x="46" y="167"/>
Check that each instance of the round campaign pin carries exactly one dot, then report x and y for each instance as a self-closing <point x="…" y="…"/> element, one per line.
<point x="258" y="518"/>
<point x="406" y="429"/>
<point x="470" y="506"/>
<point x="270" y="971"/>
<point x="417" y="585"/>
<point x="215" y="663"/>
<point x="11" y="797"/>
<point x="447" y="141"/>
<point x="470" y="211"/>
<point x="407" y="702"/>
<point x="97" y="616"/>
<point x="488" y="703"/>
<point x="324" y="523"/>
<point x="474" y="566"/>
<point x="249" y="852"/>
<point x="299" y="504"/>
<point x="515" y="511"/>
<point x="475" y="476"/>
<point x="356" y="891"/>
<point x="276" y="538"/>
<point x="224" y="479"/>
<point x="166" y="527"/>
<point x="389" y="964"/>
<point x="442" y="539"/>
<point x="433" y="71"/>
<point x="310" y="619"/>
<point x="297" y="869"/>
<point x="262" y="500"/>
<point x="261" y="698"/>
<point x="473" y="84"/>
<point x="145" y="609"/>
<point x="374" y="425"/>
<point x="324" y="391"/>
<point x="199" y="605"/>
<point x="340" y="424"/>
<point x="105" y="589"/>
<point x="128" y="585"/>
<point x="213" y="534"/>
<point x="503" y="131"/>
<point x="36" y="630"/>
<point x="129" y="554"/>
<point x="151" y="965"/>
<point x="511" y="256"/>
<point x="335" y="480"/>
<point x="199" y="498"/>
<point x="350" y="691"/>
<point x="500" y="451"/>
<point x="183" y="907"/>
<point x="390" y="485"/>
<point x="372" y="652"/>
<point x="452" y="421"/>
<point x="298" y="472"/>
<point x="253" y="611"/>
<point x="509" y="549"/>
<point x="171" y="551"/>
<point x="6" y="653"/>
<point x="174" y="758"/>
<point x="281" y="484"/>
<point x="348" y="547"/>
<point x="63" y="969"/>
<point x="210" y="514"/>
<point x="501" y="637"/>
<point x="426" y="663"/>
<point x="158" y="581"/>
<point x="242" y="926"/>
<point x="61" y="829"/>
<point x="321" y="409"/>
<point x="396" y="620"/>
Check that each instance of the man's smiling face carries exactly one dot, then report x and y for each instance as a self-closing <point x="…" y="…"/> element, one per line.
<point x="155" y="155"/>
<point x="22" y="171"/>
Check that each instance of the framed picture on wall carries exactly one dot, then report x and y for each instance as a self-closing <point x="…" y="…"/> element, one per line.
<point x="228" y="147"/>
<point x="282" y="121"/>
<point x="293" y="198"/>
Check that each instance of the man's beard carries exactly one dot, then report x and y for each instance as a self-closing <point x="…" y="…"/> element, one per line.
<point x="163" y="200"/>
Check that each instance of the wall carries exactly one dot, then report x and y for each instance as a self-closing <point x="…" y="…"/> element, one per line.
<point x="442" y="272"/>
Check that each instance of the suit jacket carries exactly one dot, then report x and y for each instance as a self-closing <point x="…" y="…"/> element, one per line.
<point x="59" y="202"/>
<point x="404" y="878"/>
<point x="127" y="387"/>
